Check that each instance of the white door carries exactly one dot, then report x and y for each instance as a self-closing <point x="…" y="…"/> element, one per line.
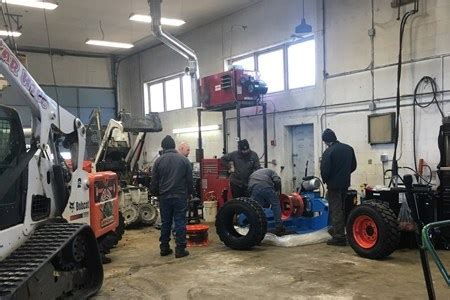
<point x="302" y="152"/>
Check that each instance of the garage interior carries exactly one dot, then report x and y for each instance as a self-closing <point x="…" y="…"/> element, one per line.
<point x="97" y="85"/>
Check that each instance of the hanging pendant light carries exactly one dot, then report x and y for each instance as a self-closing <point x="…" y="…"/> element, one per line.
<point x="304" y="27"/>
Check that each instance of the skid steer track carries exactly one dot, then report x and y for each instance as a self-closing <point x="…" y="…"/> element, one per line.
<point x="45" y="266"/>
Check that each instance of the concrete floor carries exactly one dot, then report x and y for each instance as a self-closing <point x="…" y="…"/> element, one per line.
<point x="269" y="272"/>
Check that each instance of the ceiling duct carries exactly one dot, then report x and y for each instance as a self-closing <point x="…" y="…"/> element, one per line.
<point x="192" y="67"/>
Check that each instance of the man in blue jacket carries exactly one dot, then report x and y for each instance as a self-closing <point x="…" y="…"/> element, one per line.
<point x="172" y="183"/>
<point x="263" y="185"/>
<point x="338" y="162"/>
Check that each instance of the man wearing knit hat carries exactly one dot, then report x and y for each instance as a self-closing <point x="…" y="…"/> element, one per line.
<point x="338" y="162"/>
<point x="172" y="183"/>
<point x="242" y="163"/>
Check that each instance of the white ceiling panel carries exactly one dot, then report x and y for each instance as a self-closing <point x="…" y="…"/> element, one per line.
<point x="74" y="21"/>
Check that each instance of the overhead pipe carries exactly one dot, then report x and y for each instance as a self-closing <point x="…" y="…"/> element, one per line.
<point x="192" y="68"/>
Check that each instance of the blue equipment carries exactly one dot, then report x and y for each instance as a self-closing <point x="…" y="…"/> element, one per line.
<point x="313" y="217"/>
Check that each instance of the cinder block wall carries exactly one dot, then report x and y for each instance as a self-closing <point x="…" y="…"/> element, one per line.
<point x="349" y="85"/>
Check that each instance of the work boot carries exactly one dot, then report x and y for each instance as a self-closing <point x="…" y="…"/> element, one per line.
<point x="106" y="260"/>
<point x="337" y="242"/>
<point x="165" y="252"/>
<point x="181" y="253"/>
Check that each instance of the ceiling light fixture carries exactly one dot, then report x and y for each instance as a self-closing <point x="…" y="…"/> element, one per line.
<point x="148" y="19"/>
<point x="195" y="129"/>
<point x="303" y="27"/>
<point x="32" y="3"/>
<point x="10" y="33"/>
<point x="109" y="44"/>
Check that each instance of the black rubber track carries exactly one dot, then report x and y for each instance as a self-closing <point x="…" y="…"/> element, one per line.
<point x="388" y="233"/>
<point x="255" y="217"/>
<point x="120" y="230"/>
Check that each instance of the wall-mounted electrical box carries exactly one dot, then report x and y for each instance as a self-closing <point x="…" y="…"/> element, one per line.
<point x="381" y="128"/>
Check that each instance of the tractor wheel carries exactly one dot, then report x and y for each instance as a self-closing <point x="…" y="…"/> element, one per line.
<point x="148" y="214"/>
<point x="372" y="230"/>
<point x="231" y="233"/>
<point x="131" y="215"/>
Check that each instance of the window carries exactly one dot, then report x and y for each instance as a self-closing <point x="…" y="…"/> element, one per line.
<point x="168" y="94"/>
<point x="301" y="64"/>
<point x="296" y="60"/>
<point x="157" y="97"/>
<point x="6" y="151"/>
<point x="247" y="63"/>
<point x="270" y="67"/>
<point x="187" y="91"/>
<point x="173" y="94"/>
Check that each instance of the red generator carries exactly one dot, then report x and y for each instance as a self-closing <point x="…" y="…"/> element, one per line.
<point x="215" y="183"/>
<point x="222" y="91"/>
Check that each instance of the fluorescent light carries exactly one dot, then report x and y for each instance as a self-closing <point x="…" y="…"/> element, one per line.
<point x="148" y="19"/>
<point x="195" y="129"/>
<point x="32" y="3"/>
<point x="109" y="44"/>
<point x="10" y="33"/>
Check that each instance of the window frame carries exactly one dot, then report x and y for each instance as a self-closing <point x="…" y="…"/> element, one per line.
<point x="148" y="96"/>
<point x="273" y="49"/>
<point x="284" y="46"/>
<point x="303" y="40"/>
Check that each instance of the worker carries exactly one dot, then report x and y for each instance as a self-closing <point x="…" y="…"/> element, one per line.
<point x="241" y="164"/>
<point x="184" y="149"/>
<point x="172" y="182"/>
<point x="263" y="185"/>
<point x="338" y="162"/>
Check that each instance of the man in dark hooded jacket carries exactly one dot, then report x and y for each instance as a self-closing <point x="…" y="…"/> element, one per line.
<point x="172" y="183"/>
<point x="242" y="164"/>
<point x="338" y="162"/>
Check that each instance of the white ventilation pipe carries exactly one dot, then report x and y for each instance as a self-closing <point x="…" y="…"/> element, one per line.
<point x="192" y="67"/>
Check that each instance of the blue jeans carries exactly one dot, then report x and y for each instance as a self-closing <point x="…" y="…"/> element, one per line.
<point x="267" y="197"/>
<point x="173" y="210"/>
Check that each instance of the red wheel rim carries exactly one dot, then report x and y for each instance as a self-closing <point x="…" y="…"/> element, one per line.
<point x="287" y="206"/>
<point x="365" y="232"/>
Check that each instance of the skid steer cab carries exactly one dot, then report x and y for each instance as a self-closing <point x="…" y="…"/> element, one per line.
<point x="35" y="243"/>
<point x="42" y="256"/>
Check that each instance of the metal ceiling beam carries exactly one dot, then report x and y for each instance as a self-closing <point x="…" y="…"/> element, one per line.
<point x="63" y="52"/>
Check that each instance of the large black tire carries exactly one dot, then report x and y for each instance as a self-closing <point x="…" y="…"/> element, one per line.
<point x="372" y="230"/>
<point x="225" y="221"/>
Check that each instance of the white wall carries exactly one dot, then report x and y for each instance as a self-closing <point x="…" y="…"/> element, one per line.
<point x="348" y="86"/>
<point x="70" y="70"/>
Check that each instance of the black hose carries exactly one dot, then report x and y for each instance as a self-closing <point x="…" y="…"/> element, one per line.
<point x="399" y="75"/>
<point x="432" y="82"/>
<point x="408" y="168"/>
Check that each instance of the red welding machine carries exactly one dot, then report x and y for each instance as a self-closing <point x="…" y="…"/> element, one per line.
<point x="215" y="183"/>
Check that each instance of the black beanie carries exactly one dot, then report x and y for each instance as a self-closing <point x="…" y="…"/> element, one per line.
<point x="168" y="143"/>
<point x="243" y="145"/>
<point x="328" y="136"/>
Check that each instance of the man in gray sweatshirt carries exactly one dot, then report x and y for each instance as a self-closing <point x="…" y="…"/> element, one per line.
<point x="172" y="183"/>
<point x="241" y="163"/>
<point x="263" y="185"/>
